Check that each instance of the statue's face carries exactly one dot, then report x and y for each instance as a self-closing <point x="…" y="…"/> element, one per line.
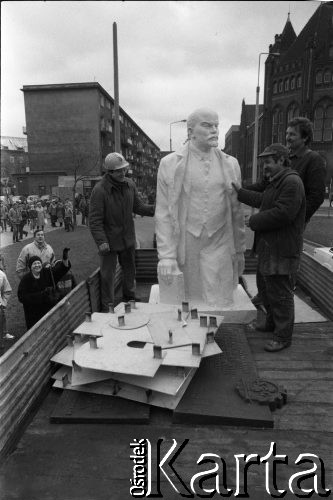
<point x="205" y="132"/>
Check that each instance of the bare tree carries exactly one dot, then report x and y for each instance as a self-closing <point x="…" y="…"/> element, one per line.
<point x="83" y="166"/>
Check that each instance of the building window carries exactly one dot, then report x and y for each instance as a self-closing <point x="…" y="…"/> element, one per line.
<point x="330" y="52"/>
<point x="299" y="81"/>
<point x="277" y="129"/>
<point x="292" y="83"/>
<point x="12" y="159"/>
<point x="108" y="104"/>
<point x="327" y="76"/>
<point x="286" y="84"/>
<point x="323" y="122"/>
<point x="280" y="86"/>
<point x="102" y="101"/>
<point x="319" y="77"/>
<point x="21" y="159"/>
<point x="293" y="112"/>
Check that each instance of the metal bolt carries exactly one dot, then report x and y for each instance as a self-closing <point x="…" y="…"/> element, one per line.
<point x="127" y="307"/>
<point x="157" y="351"/>
<point x="70" y="340"/>
<point x="203" y="321"/>
<point x="93" y="342"/>
<point x="179" y="315"/>
<point x="196" y="349"/>
<point x="111" y="307"/>
<point x="185" y="306"/>
<point x="212" y="321"/>
<point x="170" y="337"/>
<point x="209" y="337"/>
<point x="133" y="304"/>
<point x="121" y="320"/>
<point x="88" y="317"/>
<point x="194" y="313"/>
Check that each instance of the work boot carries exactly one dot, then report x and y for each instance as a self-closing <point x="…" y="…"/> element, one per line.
<point x="257" y="300"/>
<point x="267" y="326"/>
<point x="275" y="345"/>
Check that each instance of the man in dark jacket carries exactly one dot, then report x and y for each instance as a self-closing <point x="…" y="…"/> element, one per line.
<point x="113" y="201"/>
<point x="37" y="290"/>
<point x="310" y="166"/>
<point x="279" y="225"/>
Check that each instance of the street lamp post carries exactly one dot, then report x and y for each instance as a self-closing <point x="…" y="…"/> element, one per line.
<point x="256" y="121"/>
<point x="178" y="121"/>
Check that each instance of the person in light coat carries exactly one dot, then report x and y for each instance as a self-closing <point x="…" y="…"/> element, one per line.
<point x="199" y="222"/>
<point x="38" y="248"/>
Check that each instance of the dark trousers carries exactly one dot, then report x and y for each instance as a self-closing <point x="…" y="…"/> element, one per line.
<point x="108" y="271"/>
<point x="68" y="223"/>
<point x="260" y="282"/>
<point x="21" y="230"/>
<point x="278" y="299"/>
<point x="3" y="324"/>
<point x="16" y="230"/>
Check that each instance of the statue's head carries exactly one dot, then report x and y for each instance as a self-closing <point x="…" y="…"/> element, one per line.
<point x="203" y="128"/>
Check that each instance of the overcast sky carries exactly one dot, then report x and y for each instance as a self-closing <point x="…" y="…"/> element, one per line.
<point x="173" y="56"/>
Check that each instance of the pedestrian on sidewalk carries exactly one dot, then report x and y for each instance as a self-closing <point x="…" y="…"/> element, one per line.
<point x="68" y="218"/>
<point x="14" y="216"/>
<point x="60" y="213"/>
<point x="40" y="216"/>
<point x="5" y="293"/>
<point x="3" y="216"/>
<point x="279" y="226"/>
<point x="24" y="220"/>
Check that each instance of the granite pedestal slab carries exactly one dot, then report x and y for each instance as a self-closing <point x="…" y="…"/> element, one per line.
<point x="242" y="310"/>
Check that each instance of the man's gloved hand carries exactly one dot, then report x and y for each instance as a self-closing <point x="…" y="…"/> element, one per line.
<point x="65" y="253"/>
<point x="104" y="248"/>
<point x="166" y="269"/>
<point x="48" y="290"/>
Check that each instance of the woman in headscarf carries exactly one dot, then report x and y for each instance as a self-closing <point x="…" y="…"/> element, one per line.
<point x="37" y="290"/>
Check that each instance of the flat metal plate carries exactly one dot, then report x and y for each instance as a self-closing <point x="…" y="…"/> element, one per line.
<point x="80" y="407"/>
<point x="132" y="320"/>
<point x="211" y="397"/>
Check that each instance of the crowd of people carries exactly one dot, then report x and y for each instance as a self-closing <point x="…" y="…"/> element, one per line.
<point x="200" y="225"/>
<point x="23" y="217"/>
<point x="43" y="279"/>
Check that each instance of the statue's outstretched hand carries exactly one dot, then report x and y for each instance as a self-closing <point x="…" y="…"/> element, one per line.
<point x="167" y="268"/>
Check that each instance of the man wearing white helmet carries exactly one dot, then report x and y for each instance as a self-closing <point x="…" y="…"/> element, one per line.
<point x="113" y="201"/>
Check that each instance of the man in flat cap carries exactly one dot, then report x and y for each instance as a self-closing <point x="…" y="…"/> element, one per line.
<point x="113" y="201"/>
<point x="279" y="227"/>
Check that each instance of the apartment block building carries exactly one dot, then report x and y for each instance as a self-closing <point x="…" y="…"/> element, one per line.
<point x="70" y="130"/>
